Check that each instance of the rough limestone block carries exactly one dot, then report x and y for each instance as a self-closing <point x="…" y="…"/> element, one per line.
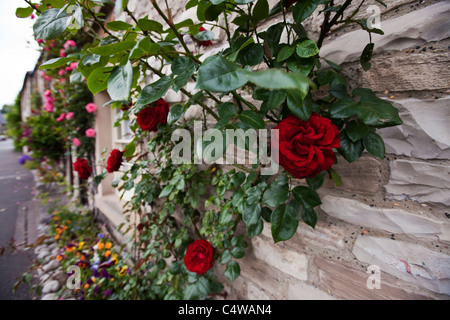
<point x="420" y="181"/>
<point x="292" y="263"/>
<point x="393" y="220"/>
<point x="51" y="287"/>
<point x="408" y="261"/>
<point x="417" y="27"/>
<point x="425" y="132"/>
<point x="301" y="291"/>
<point x="342" y="280"/>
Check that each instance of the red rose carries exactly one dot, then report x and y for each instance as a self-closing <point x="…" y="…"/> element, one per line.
<point x="149" y="117"/>
<point x="205" y="43"/>
<point x="83" y="168"/>
<point x="199" y="256"/>
<point x="305" y="146"/>
<point x="114" y="161"/>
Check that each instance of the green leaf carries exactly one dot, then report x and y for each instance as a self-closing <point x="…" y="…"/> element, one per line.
<point x="175" y="113"/>
<point x="344" y="108"/>
<point x="218" y="74"/>
<point x="316" y="182"/>
<point x="266" y="214"/>
<point x="351" y="151"/>
<point x="279" y="79"/>
<point x="306" y="196"/>
<point x="303" y="9"/>
<point x="307" y="48"/>
<point x="238" y="178"/>
<point x="356" y="131"/>
<point x="150" y="25"/>
<point x="154" y="91"/>
<point x="302" y="65"/>
<point x="55" y="63"/>
<point x="377" y="113"/>
<point x="366" y="56"/>
<point x="374" y="144"/>
<point x="276" y="98"/>
<point x="182" y="64"/>
<point x="129" y="149"/>
<point x="251" y="214"/>
<point x="237" y="253"/>
<point x="277" y="193"/>
<point x="233" y="270"/>
<point x="333" y="65"/>
<point x="118" y="25"/>
<point x="243" y="1"/>
<point x="335" y="177"/>
<point x="260" y="11"/>
<point x="113" y="48"/>
<point x="309" y="216"/>
<point x="251" y="55"/>
<point x="24" y="12"/>
<point x="98" y="79"/>
<point x="297" y="106"/>
<point x="253" y="119"/>
<point x="225" y="256"/>
<point x="50" y="24"/>
<point x="284" y="221"/>
<point x="119" y="82"/>
<point x="285" y="53"/>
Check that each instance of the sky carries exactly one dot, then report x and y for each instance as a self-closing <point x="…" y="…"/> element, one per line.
<point x="18" y="50"/>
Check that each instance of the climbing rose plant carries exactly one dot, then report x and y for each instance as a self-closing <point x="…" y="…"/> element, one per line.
<point x="264" y="77"/>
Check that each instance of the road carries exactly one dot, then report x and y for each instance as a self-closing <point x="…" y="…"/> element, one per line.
<point x="16" y="192"/>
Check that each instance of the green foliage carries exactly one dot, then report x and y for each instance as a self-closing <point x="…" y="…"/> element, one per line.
<point x="189" y="202"/>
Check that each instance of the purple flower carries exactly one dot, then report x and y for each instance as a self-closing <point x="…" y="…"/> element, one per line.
<point x="24" y="159"/>
<point x="100" y="235"/>
<point x="107" y="293"/>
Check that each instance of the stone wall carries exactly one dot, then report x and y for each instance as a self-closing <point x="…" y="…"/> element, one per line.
<point x="393" y="214"/>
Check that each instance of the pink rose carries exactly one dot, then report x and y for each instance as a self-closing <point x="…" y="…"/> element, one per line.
<point x="69" y="43"/>
<point x="91" y="107"/>
<point x="61" y="117"/>
<point x="48" y="93"/>
<point x="61" y="72"/>
<point x="90" y="133"/>
<point x="62" y="53"/>
<point x="69" y="115"/>
<point x="73" y="65"/>
<point x="39" y="40"/>
<point x="76" y="142"/>
<point x="68" y="69"/>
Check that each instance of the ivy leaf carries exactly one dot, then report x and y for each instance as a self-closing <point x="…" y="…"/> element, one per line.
<point x="306" y="196"/>
<point x="284" y="221"/>
<point x="374" y="144"/>
<point x="366" y="56"/>
<point x="154" y="91"/>
<point x="51" y="24"/>
<point x="307" y="48"/>
<point x="119" y="82"/>
<point x="277" y="193"/>
<point x="233" y="270"/>
<point x="218" y="74"/>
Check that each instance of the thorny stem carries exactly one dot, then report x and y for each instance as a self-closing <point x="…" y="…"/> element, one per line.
<point x="31" y="5"/>
<point x="327" y="26"/>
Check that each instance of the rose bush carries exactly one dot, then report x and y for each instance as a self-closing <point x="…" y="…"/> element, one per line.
<point x="292" y="87"/>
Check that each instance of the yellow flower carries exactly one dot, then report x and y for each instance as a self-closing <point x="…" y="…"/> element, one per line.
<point x="80" y="245"/>
<point x="86" y="286"/>
<point x="93" y="279"/>
<point x="123" y="271"/>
